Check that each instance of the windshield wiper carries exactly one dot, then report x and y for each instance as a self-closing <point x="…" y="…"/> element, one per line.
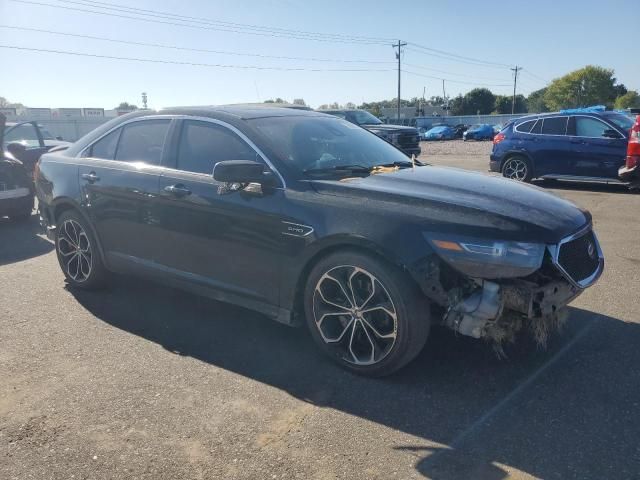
<point x="361" y="169"/>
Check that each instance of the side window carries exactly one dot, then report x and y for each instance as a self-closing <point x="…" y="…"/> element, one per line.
<point x="525" y="127"/>
<point x="105" y="148"/>
<point x="590" y="127"/>
<point x="555" y="126"/>
<point x="142" y="141"/>
<point x="25" y="134"/>
<point x="203" y="144"/>
<point x="537" y="128"/>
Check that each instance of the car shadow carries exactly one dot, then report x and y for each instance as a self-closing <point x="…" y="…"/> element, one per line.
<point x="21" y="240"/>
<point x="569" y="411"/>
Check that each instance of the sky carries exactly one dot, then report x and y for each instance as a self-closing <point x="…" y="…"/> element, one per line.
<point x="548" y="38"/>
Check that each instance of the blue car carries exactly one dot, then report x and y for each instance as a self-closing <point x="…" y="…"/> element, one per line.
<point x="442" y="132"/>
<point x="579" y="144"/>
<point x="481" y="131"/>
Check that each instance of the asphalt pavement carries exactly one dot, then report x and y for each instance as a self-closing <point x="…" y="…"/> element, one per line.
<point x="143" y="381"/>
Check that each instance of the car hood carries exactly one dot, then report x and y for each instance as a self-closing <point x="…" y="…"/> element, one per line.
<point x="468" y="203"/>
<point x="56" y="143"/>
<point x="390" y="128"/>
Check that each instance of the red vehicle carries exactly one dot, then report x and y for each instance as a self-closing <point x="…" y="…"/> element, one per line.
<point x="630" y="171"/>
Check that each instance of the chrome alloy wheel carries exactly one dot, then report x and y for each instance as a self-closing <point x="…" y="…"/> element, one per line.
<point x="75" y="251"/>
<point x="516" y="169"/>
<point x="354" y="313"/>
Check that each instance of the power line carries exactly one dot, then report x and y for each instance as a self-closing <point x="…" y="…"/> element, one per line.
<point x="458" y="81"/>
<point x="195" y="64"/>
<point x="207" y="27"/>
<point x="478" y="64"/>
<point x="202" y="50"/>
<point x="535" y="76"/>
<point x="161" y="14"/>
<point x="451" y="73"/>
<point x="459" y="57"/>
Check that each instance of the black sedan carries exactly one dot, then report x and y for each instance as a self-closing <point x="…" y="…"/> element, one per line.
<point x="313" y="220"/>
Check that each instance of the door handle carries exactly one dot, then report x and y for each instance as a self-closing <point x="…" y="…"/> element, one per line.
<point x="178" y="190"/>
<point x="90" y="177"/>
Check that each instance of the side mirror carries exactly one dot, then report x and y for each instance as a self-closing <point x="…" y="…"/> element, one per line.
<point x="242" y="171"/>
<point x="611" y="133"/>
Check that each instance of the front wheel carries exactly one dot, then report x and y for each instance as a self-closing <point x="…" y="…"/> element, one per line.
<point x="77" y="252"/>
<point x="365" y="314"/>
<point x="517" y="168"/>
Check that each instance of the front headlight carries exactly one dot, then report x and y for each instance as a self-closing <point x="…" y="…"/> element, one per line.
<point x="484" y="258"/>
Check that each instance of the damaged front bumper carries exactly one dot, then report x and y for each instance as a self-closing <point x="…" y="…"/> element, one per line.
<point x="497" y="311"/>
<point x="497" y="308"/>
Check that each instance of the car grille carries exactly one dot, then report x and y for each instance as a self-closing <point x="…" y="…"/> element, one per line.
<point x="408" y="140"/>
<point x="579" y="257"/>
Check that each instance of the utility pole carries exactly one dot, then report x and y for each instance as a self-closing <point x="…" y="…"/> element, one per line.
<point x="399" y="47"/>
<point x="144" y="100"/>
<point x="515" y="82"/>
<point x="446" y="102"/>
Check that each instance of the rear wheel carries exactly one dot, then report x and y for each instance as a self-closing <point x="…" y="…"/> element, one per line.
<point x="517" y="168"/>
<point x="365" y="314"/>
<point x="77" y="252"/>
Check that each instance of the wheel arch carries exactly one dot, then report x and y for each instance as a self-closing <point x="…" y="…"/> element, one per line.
<point x="519" y="153"/>
<point x="332" y="245"/>
<point x="65" y="204"/>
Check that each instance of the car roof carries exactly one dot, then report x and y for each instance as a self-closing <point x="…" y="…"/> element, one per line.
<point x="242" y="112"/>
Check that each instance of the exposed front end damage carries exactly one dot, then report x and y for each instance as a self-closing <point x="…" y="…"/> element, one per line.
<point x="496" y="309"/>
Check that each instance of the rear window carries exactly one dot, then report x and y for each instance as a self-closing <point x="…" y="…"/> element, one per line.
<point x="555" y="126"/>
<point x="142" y="141"/>
<point x="537" y="128"/>
<point x="525" y="127"/>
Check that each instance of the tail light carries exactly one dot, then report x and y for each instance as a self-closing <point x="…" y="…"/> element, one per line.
<point x="633" y="148"/>
<point x="498" y="138"/>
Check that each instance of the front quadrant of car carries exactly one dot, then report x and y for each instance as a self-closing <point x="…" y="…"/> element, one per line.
<point x="314" y="221"/>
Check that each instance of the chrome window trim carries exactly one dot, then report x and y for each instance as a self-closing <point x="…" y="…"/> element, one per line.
<point x="534" y="120"/>
<point x="82" y="152"/>
<point x="186" y="117"/>
<point x="614" y="127"/>
<point x="554" y="250"/>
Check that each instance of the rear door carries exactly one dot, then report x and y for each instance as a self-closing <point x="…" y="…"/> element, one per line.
<point x="119" y="181"/>
<point x="550" y="146"/>
<point x="596" y="154"/>
<point x="228" y="240"/>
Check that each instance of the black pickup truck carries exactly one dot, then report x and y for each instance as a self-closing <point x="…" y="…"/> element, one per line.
<point x="406" y="139"/>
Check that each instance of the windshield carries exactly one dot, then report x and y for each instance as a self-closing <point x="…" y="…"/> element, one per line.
<point x="307" y="143"/>
<point x="620" y="120"/>
<point x="362" y="117"/>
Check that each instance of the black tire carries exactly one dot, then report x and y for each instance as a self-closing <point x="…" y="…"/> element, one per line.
<point x="509" y="168"/>
<point x="406" y="315"/>
<point x="78" y="252"/>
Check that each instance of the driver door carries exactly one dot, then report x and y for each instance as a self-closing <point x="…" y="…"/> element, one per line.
<point x="227" y="240"/>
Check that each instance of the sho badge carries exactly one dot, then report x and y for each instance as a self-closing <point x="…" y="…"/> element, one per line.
<point x="296" y="229"/>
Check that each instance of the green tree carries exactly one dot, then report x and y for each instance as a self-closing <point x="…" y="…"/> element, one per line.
<point x="503" y="104"/>
<point x="535" y="101"/>
<point x="126" y="106"/>
<point x="479" y="100"/>
<point x="299" y="101"/>
<point x="457" y="105"/>
<point x="631" y="99"/>
<point x="591" y="85"/>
